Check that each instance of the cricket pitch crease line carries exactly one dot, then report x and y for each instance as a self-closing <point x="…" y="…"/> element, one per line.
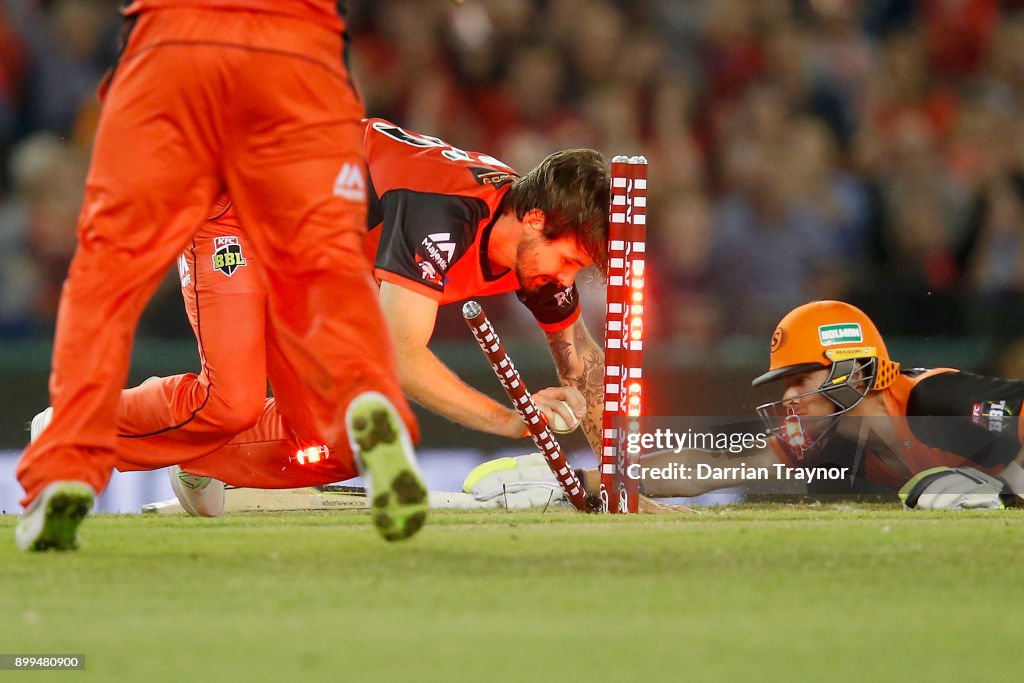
<point x="330" y="497"/>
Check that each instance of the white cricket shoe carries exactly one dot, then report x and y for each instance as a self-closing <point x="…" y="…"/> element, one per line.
<point x="39" y="423"/>
<point x="42" y="420"/>
<point x="52" y="520"/>
<point x="199" y="496"/>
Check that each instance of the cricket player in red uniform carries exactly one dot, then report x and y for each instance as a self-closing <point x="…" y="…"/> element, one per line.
<point x="446" y="225"/>
<point x="251" y="96"/>
<point x="940" y="437"/>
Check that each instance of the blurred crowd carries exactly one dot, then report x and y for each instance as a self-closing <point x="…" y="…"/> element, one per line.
<point x="869" y="150"/>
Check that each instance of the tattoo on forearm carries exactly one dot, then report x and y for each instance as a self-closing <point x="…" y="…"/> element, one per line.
<point x="562" y="352"/>
<point x="580" y="364"/>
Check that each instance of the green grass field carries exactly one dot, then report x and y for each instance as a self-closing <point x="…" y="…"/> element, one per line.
<point x="766" y="593"/>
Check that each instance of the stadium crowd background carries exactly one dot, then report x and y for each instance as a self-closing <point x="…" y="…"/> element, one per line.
<point x="868" y="150"/>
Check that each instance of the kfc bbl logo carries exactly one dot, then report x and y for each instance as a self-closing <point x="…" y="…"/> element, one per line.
<point x="998" y="412"/>
<point x="227" y="255"/>
<point x="993" y="415"/>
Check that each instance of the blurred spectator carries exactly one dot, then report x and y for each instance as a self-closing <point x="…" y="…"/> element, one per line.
<point x="682" y="286"/>
<point x="13" y="59"/>
<point x="798" y="148"/>
<point x="996" y="264"/>
<point x="958" y="35"/>
<point x="732" y="50"/>
<point x="837" y="196"/>
<point x="921" y="237"/>
<point x="37" y="230"/>
<point x="70" y="45"/>
<point x="769" y="248"/>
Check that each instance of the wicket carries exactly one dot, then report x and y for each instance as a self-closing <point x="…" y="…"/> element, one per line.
<point x="623" y="340"/>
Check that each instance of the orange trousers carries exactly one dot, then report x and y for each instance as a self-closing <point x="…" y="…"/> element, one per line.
<point x="203" y="100"/>
<point x="220" y="422"/>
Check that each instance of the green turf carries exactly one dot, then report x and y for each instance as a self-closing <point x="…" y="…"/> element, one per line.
<point x="771" y="593"/>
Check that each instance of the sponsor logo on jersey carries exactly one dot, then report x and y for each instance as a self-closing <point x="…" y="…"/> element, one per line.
<point x="350" y="183"/>
<point x="184" y="273"/>
<point x="488" y="176"/>
<point x="227" y="255"/>
<point x="566" y="297"/>
<point x="428" y="272"/>
<point x="991" y="414"/>
<point x="439" y="249"/>
<point x="840" y="333"/>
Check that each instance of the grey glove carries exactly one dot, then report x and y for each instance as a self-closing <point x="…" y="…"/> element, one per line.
<point x="948" y="488"/>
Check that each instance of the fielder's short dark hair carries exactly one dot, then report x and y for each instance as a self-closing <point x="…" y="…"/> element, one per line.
<point x="572" y="188"/>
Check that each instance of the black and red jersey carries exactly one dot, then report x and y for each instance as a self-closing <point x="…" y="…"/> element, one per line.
<point x="941" y="417"/>
<point x="431" y="211"/>
<point x="952" y="418"/>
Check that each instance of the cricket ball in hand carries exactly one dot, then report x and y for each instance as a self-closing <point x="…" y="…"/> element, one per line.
<point x="560" y="426"/>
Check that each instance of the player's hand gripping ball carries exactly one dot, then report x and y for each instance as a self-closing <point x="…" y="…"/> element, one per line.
<point x="559" y="425"/>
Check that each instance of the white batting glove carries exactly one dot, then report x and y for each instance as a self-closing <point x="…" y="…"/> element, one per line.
<point x="516" y="483"/>
<point x="947" y="488"/>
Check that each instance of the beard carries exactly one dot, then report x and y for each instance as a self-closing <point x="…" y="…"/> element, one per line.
<point x="526" y="264"/>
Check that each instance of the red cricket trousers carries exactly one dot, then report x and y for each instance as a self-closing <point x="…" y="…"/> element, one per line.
<point x="203" y="100"/>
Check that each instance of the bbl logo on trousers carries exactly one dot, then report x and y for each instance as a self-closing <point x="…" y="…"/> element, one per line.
<point x="227" y="255"/>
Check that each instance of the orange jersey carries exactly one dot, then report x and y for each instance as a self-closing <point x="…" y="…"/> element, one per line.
<point x="432" y="208"/>
<point x="328" y="13"/>
<point x="942" y="418"/>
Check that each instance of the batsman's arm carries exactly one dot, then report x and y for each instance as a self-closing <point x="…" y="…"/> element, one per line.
<point x="692" y="485"/>
<point x="580" y="364"/>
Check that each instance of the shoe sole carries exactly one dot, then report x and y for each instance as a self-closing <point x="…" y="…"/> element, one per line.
<point x="65" y="510"/>
<point x="399" y="501"/>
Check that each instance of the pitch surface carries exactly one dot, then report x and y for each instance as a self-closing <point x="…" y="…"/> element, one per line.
<point x="770" y="593"/>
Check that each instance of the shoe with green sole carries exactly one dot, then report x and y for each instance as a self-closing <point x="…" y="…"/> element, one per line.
<point x="51" y="521"/>
<point x="386" y="459"/>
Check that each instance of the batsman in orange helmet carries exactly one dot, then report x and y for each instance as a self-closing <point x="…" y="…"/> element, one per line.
<point x="941" y="437"/>
<point x="831" y="357"/>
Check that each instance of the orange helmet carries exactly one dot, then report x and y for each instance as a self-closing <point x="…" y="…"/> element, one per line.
<point x="818" y="334"/>
<point x="824" y="334"/>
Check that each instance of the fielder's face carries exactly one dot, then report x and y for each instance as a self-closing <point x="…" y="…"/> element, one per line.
<point x="540" y="262"/>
